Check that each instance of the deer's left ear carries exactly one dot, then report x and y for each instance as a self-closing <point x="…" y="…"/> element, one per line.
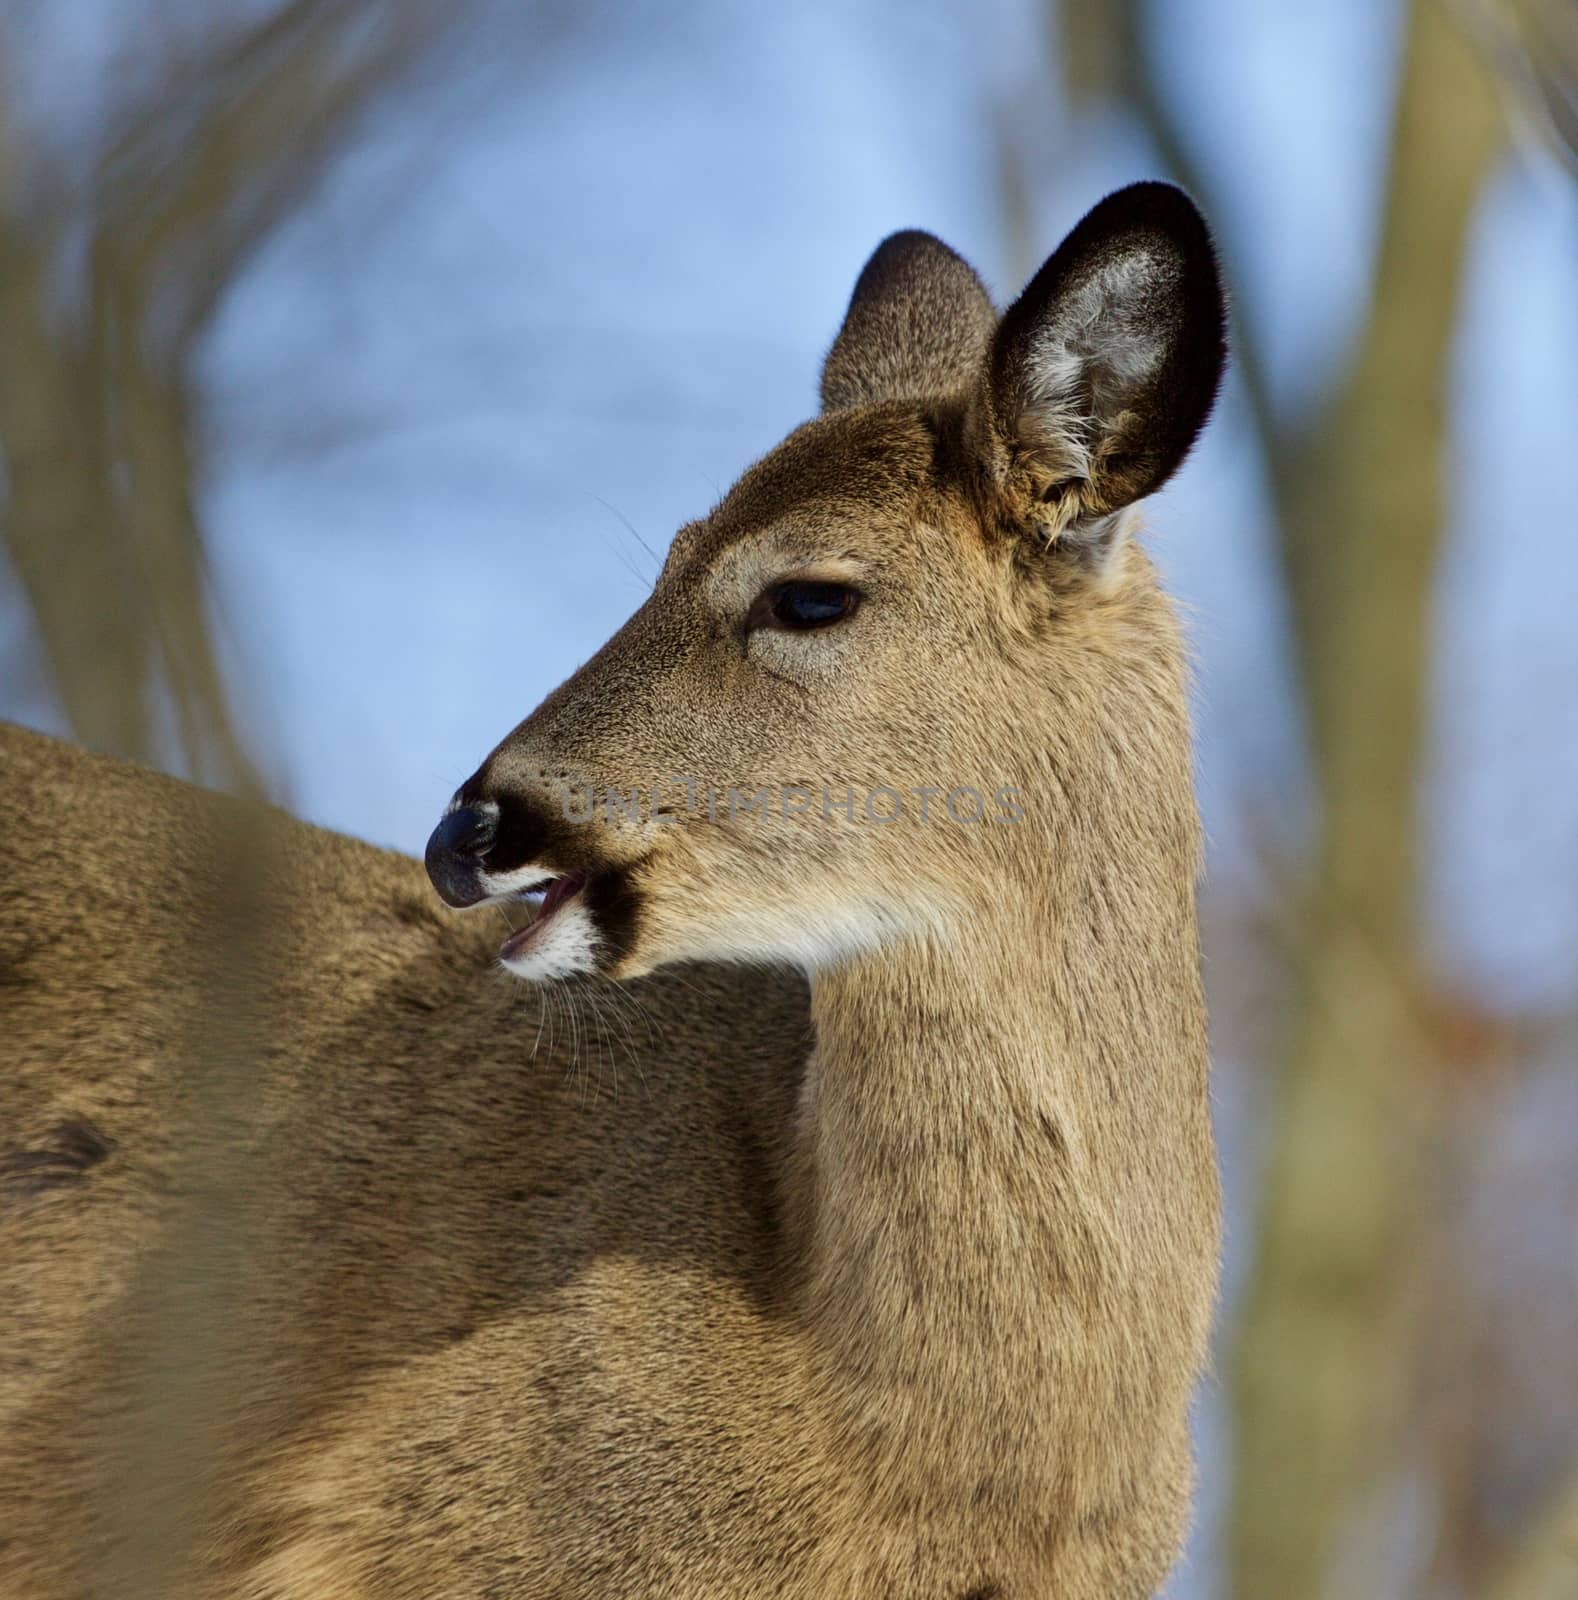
<point x="1103" y="372"/>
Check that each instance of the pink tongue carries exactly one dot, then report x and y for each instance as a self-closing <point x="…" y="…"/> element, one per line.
<point x="559" y="891"/>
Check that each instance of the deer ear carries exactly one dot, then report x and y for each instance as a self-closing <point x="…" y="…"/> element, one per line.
<point x="917" y="325"/>
<point x="1103" y="372"/>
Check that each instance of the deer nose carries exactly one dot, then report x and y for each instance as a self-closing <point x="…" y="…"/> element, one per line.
<point x="455" y="851"/>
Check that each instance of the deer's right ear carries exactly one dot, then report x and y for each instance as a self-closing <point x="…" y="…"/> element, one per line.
<point x="917" y="325"/>
<point x="1104" y="370"/>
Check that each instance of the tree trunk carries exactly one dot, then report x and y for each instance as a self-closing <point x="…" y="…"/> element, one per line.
<point x="1320" y="1360"/>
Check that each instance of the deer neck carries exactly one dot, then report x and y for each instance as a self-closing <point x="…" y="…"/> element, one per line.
<point x="1003" y="1187"/>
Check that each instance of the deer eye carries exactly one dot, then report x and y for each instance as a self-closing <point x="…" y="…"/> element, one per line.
<point x="797" y="607"/>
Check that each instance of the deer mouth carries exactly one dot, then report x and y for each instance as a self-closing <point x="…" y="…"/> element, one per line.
<point x="546" y="900"/>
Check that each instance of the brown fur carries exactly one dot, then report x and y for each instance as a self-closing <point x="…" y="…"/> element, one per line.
<point x="680" y="1280"/>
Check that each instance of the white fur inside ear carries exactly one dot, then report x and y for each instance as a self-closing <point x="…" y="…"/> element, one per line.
<point x="1099" y="341"/>
<point x="567" y="945"/>
<point x="1109" y="317"/>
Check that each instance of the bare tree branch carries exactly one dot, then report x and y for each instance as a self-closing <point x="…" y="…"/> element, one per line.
<point x="97" y="410"/>
<point x="1533" y="45"/>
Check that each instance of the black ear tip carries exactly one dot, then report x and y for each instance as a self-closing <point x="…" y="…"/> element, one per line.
<point x="1151" y="203"/>
<point x="1156" y="210"/>
<point x="1164" y="211"/>
<point x="1149" y="217"/>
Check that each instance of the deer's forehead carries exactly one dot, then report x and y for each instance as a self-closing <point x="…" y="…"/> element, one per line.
<point x="851" y="485"/>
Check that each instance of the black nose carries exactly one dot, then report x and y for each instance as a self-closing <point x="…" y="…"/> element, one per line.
<point x="455" y="852"/>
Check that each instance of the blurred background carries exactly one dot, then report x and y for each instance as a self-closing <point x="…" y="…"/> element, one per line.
<point x="358" y="359"/>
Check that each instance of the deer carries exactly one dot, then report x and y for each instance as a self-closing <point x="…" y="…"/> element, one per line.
<point x="814" y="1194"/>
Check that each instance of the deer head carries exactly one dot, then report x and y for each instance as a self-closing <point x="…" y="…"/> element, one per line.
<point x="867" y="687"/>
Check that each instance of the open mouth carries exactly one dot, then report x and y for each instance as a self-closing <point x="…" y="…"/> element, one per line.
<point x="547" y="900"/>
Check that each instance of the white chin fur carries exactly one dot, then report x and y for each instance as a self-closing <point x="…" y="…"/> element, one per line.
<point x="566" y="946"/>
